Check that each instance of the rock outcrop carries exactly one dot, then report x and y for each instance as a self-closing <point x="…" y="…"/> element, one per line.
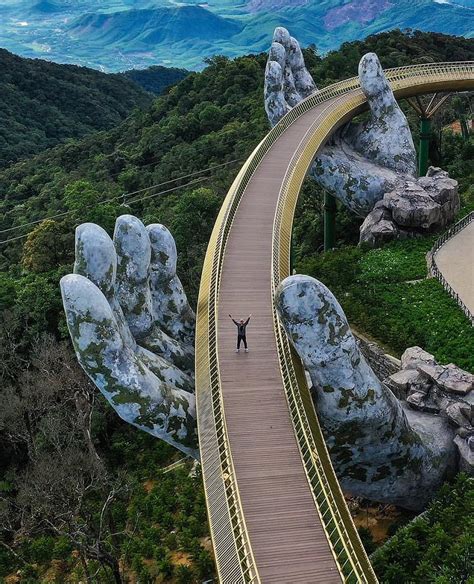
<point x="444" y="390"/>
<point x="413" y="207"/>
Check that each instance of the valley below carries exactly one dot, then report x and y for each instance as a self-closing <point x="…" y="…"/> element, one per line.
<point x="125" y="34"/>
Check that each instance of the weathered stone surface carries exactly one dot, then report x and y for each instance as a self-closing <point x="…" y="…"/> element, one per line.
<point x="455" y="380"/>
<point x="431" y="371"/>
<point x="375" y="231"/>
<point x="416" y="399"/>
<point x="419" y="400"/>
<point x="376" y="452"/>
<point x="386" y="137"/>
<point x="460" y="415"/>
<point x="403" y="380"/>
<point x="170" y="304"/>
<point x="413" y="356"/>
<point x="412" y="206"/>
<point x="438" y="388"/>
<point x="109" y="304"/>
<point x="466" y="454"/>
<point x="443" y="190"/>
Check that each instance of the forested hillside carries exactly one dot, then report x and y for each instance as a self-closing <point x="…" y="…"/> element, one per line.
<point x="156" y="79"/>
<point x="43" y="104"/>
<point x="172" y="163"/>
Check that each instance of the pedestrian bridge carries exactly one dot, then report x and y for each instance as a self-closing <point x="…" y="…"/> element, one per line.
<point x="276" y="511"/>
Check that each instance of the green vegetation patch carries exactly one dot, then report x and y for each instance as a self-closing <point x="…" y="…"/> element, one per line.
<point x="385" y="292"/>
<point x="437" y="546"/>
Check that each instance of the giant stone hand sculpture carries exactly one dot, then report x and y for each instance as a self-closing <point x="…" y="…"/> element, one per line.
<point x="369" y="166"/>
<point x="362" y="161"/>
<point x="380" y="450"/>
<point x="132" y="327"/>
<point x="132" y="330"/>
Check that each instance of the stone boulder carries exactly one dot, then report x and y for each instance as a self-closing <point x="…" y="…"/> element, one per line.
<point x="413" y="356"/>
<point x="413" y="207"/>
<point x="447" y="390"/>
<point x="402" y="381"/>
<point x="455" y="380"/>
<point x="466" y="453"/>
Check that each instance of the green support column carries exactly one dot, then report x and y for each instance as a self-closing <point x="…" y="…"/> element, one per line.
<point x="329" y="221"/>
<point x="425" y="133"/>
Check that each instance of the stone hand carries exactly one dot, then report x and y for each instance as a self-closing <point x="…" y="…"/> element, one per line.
<point x="362" y="161"/>
<point x="132" y="327"/>
<point x="380" y="450"/>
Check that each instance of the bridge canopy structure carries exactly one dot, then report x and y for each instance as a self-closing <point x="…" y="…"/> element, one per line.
<point x="276" y="511"/>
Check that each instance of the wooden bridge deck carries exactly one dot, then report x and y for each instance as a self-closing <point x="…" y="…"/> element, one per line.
<point x="277" y="503"/>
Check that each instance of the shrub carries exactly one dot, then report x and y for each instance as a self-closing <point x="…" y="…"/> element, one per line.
<point x="437" y="546"/>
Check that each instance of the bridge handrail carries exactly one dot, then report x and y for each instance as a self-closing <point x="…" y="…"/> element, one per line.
<point x="222" y="497"/>
<point x="436" y="272"/>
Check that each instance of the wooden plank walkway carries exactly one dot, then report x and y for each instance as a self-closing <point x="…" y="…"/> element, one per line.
<point x="288" y="540"/>
<point x="455" y="260"/>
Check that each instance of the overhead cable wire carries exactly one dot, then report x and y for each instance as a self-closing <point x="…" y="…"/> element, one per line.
<point x="190" y="183"/>
<point x="124" y="195"/>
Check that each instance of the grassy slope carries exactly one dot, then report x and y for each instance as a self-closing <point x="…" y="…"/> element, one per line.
<point x="385" y="293"/>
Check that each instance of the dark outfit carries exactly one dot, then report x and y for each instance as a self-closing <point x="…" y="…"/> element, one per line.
<point x="241" y="332"/>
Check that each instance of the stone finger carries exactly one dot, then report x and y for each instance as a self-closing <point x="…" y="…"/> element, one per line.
<point x="304" y="82"/>
<point x="133" y="284"/>
<point x="386" y="137"/>
<point x="96" y="259"/>
<point x="170" y="304"/>
<point x="275" y="103"/>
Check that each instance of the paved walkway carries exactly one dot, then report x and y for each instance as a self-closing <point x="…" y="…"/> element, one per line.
<point x="455" y="260"/>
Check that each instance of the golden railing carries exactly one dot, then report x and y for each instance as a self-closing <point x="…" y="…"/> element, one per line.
<point x="232" y="546"/>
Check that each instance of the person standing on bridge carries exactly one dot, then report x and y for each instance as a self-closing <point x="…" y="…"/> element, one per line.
<point x="241" y="332"/>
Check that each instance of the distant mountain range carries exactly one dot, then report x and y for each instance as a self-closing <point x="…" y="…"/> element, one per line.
<point x="150" y="27"/>
<point x="114" y="35"/>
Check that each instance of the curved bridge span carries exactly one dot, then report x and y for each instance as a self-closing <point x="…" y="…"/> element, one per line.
<point x="276" y="511"/>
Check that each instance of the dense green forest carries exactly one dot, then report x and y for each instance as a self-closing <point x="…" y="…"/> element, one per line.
<point x="83" y="495"/>
<point x="43" y="104"/>
<point x="157" y="78"/>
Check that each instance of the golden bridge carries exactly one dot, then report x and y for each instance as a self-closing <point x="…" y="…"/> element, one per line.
<point x="275" y="507"/>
